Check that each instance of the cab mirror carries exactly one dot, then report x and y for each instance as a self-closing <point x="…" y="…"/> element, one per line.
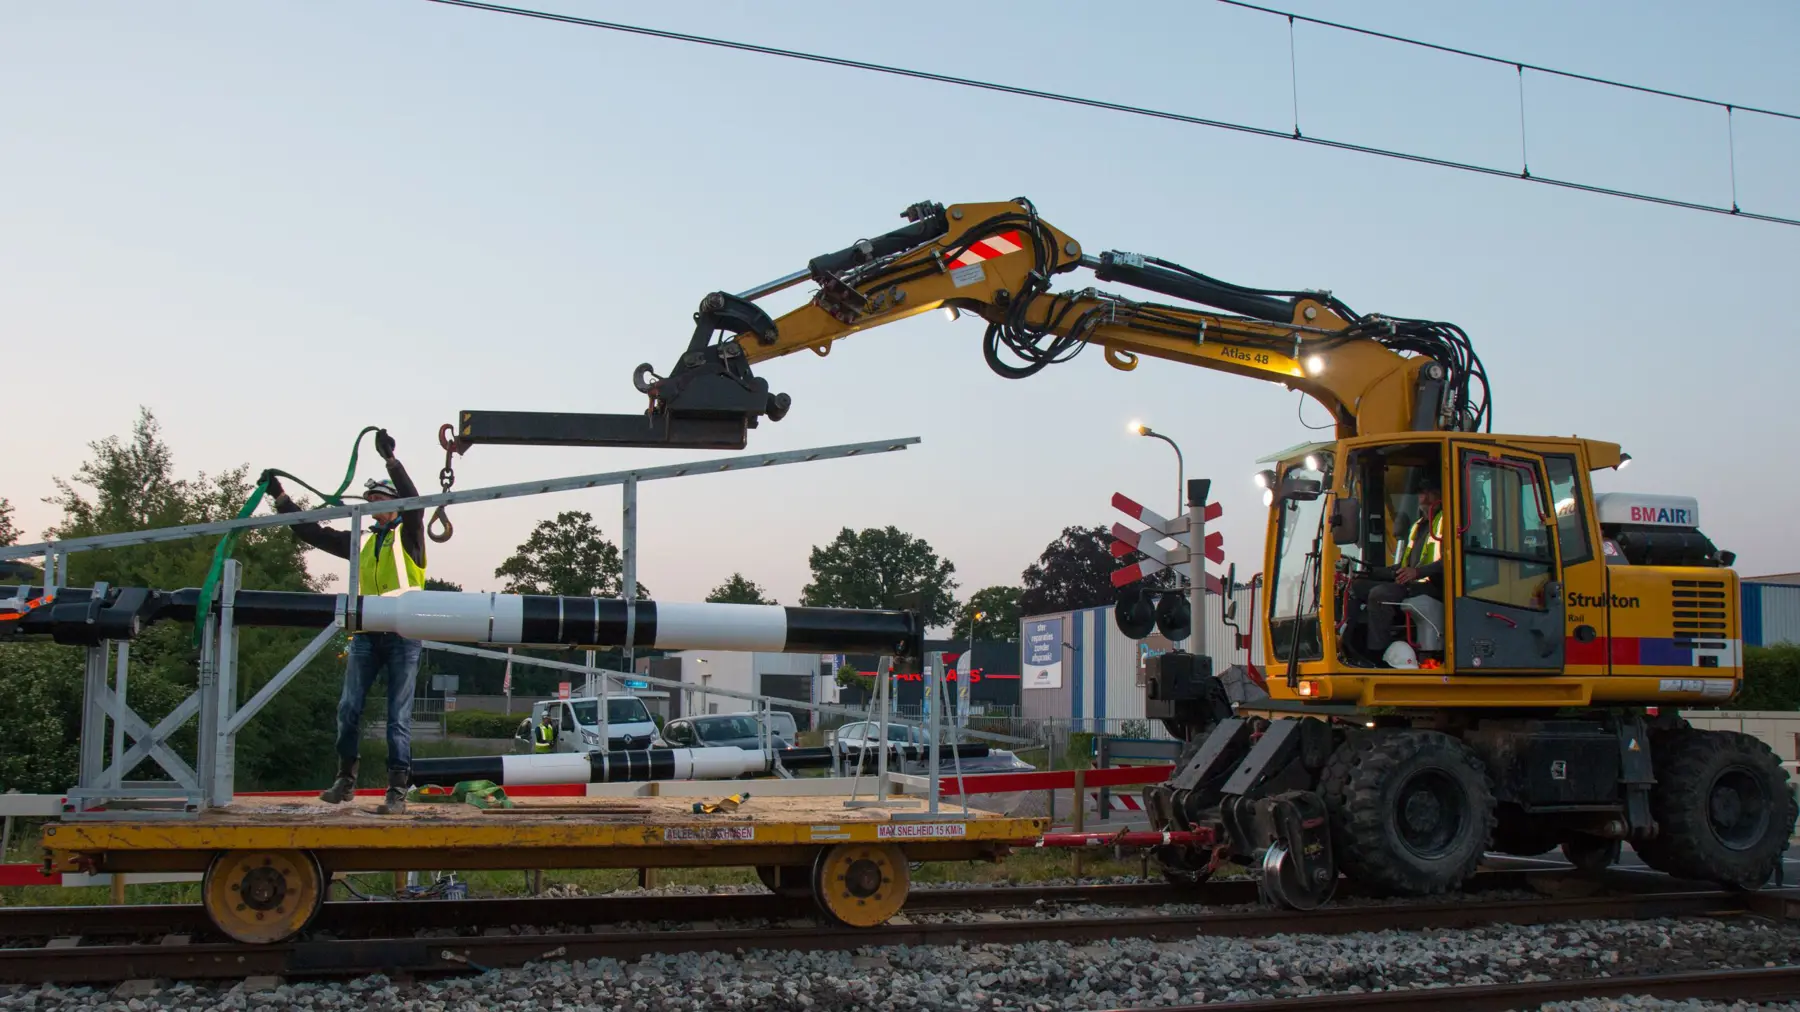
<point x="1346" y="521"/>
<point x="1296" y="489"/>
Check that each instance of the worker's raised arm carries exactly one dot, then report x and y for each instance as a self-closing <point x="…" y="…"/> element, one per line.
<point x="325" y="539"/>
<point x="412" y="522"/>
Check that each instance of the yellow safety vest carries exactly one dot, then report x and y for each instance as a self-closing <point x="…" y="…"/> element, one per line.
<point x="1431" y="551"/>
<point x="387" y="569"/>
<point x="545" y="738"/>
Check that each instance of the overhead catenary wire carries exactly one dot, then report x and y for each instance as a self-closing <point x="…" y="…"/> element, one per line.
<point x="1163" y="114"/>
<point x="1508" y="61"/>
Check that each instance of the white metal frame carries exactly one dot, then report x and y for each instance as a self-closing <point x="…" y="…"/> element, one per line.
<point x="102" y="792"/>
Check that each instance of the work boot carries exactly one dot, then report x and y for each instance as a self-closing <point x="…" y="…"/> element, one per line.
<point x="395" y="802"/>
<point x="344" y="787"/>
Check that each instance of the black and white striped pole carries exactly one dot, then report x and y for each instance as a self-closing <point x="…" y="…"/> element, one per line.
<point x="79" y="616"/>
<point x="633" y="766"/>
<point x="461" y="617"/>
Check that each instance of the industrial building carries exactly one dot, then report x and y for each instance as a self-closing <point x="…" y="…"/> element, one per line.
<point x="993" y="679"/>
<point x="1771" y="609"/>
<point x="804" y="678"/>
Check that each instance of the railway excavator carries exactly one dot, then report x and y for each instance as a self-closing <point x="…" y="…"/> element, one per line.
<point x="1547" y="656"/>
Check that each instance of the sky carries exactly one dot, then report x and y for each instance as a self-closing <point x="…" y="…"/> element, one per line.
<point x="275" y="223"/>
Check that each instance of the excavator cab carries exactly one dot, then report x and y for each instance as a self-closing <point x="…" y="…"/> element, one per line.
<point x="1444" y="542"/>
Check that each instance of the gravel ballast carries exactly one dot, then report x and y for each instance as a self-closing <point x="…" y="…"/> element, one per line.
<point x="1039" y="976"/>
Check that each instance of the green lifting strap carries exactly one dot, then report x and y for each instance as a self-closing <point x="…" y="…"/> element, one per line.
<point x="209" y="590"/>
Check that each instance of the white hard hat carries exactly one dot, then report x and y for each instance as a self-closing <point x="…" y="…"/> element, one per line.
<point x="1400" y="654"/>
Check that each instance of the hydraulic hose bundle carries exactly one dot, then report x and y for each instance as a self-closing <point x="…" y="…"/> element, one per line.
<point x="228" y="543"/>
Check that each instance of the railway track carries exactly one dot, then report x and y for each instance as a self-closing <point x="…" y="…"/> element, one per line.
<point x="338" y="919"/>
<point x="1778" y="983"/>
<point x="320" y="957"/>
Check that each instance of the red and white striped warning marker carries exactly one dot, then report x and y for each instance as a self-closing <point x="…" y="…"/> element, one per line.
<point x="1119" y="802"/>
<point x="989" y="248"/>
<point x="1126" y="541"/>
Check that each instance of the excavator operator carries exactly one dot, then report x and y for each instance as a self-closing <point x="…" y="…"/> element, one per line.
<point x="1418" y="569"/>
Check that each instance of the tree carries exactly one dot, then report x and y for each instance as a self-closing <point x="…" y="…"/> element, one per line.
<point x="1075" y="571"/>
<point x="14" y="569"/>
<point x="130" y="485"/>
<point x="433" y="583"/>
<point x="567" y="556"/>
<point x="881" y="568"/>
<point x="738" y="590"/>
<point x="999" y="606"/>
<point x="9" y="531"/>
<point x="850" y="678"/>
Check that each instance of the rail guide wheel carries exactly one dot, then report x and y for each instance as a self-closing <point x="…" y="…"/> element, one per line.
<point x="861" y="884"/>
<point x="262" y="896"/>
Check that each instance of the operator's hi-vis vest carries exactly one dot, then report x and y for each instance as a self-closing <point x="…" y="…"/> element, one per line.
<point x="543" y="738"/>
<point x="1412" y="553"/>
<point x="385" y="568"/>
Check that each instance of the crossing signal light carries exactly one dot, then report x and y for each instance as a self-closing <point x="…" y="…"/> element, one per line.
<point x="1134" y="613"/>
<point x="1172" y="619"/>
<point x="1137" y="612"/>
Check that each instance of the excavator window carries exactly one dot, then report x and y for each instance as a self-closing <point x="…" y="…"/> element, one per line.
<point x="1503" y="532"/>
<point x="1294" y="615"/>
<point x="1571" y="510"/>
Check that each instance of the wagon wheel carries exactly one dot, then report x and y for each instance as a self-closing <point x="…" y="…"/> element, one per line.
<point x="861" y="884"/>
<point x="263" y="896"/>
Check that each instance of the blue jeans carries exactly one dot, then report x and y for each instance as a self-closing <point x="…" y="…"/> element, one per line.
<point x="370" y="653"/>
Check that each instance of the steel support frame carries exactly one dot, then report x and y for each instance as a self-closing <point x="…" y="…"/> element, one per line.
<point x="102" y="792"/>
<point x="756" y="699"/>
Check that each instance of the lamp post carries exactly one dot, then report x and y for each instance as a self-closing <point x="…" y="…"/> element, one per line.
<point x="1180" y="465"/>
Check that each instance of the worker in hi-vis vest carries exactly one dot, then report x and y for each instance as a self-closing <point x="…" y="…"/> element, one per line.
<point x="544" y="735"/>
<point x="392" y="561"/>
<point x="1418" y="569"/>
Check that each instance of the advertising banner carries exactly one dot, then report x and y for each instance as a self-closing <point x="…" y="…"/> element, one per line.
<point x="1043" y="654"/>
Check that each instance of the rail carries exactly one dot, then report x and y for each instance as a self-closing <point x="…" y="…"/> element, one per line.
<point x="67" y="963"/>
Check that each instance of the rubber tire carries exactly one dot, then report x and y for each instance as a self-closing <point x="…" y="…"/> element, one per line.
<point x="1362" y="780"/>
<point x="1686" y="764"/>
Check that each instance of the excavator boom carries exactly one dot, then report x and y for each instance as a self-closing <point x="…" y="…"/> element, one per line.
<point x="998" y="261"/>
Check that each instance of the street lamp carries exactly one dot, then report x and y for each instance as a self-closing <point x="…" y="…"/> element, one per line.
<point x="1180" y="466"/>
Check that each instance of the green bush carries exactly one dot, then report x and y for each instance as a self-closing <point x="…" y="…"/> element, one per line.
<point x="482" y="723"/>
<point x="1771" y="679"/>
<point x="1080" y="752"/>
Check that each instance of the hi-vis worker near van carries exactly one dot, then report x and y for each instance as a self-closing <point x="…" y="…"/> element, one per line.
<point x="392" y="561"/>
<point x="573" y="725"/>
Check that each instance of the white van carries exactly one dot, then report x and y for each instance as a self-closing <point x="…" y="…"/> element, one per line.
<point x="577" y="720"/>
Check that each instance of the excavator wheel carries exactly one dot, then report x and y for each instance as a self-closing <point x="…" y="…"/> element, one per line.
<point x="1723" y="808"/>
<point x="1411" y="811"/>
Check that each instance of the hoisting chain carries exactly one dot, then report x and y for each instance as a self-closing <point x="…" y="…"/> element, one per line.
<point x="446" y="478"/>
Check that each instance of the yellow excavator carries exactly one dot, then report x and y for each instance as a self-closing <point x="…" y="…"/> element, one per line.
<point x="1479" y="651"/>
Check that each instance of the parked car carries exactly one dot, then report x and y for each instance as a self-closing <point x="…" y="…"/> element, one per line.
<point x="628" y="720"/>
<point x="853" y="739"/>
<point x="742" y="730"/>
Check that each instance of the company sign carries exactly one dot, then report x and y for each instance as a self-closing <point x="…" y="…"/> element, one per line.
<point x="1043" y="654"/>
